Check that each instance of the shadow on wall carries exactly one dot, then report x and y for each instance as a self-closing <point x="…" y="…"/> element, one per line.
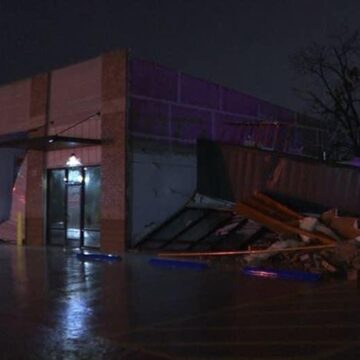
<point x="161" y="183"/>
<point x="212" y="172"/>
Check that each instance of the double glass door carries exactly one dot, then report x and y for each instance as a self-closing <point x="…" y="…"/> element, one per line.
<point x="73" y="207"/>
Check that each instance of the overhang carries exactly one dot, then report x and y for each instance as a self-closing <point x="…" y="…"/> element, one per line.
<point x="50" y="142"/>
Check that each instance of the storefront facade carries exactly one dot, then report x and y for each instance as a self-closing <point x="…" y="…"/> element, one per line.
<point x="78" y="110"/>
<point x="133" y="127"/>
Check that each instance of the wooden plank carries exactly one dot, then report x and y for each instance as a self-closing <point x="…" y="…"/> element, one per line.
<point x="245" y="252"/>
<point x="277" y="225"/>
<point x="277" y="206"/>
<point x="268" y="210"/>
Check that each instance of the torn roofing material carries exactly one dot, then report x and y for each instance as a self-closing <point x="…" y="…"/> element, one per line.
<point x="10" y="161"/>
<point x="201" y="226"/>
<point x="234" y="173"/>
<point x="257" y="231"/>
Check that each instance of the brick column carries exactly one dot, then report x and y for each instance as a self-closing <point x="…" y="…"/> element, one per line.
<point x="113" y="162"/>
<point x="35" y="196"/>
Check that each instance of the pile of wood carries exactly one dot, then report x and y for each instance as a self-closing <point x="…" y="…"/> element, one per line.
<point x="326" y="244"/>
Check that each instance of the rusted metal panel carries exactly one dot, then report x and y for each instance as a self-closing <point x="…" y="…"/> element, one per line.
<point x="246" y="170"/>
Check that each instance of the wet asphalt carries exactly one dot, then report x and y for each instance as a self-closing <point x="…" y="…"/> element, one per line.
<point x="55" y="306"/>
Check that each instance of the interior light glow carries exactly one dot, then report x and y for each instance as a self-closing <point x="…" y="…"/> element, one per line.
<point x="73" y="161"/>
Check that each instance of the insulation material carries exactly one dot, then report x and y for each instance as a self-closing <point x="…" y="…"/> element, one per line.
<point x="8" y="227"/>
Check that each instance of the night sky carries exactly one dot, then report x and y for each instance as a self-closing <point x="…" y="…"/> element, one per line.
<point x="243" y="44"/>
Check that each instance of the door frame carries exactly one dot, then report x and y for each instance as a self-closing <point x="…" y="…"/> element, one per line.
<point x="82" y="205"/>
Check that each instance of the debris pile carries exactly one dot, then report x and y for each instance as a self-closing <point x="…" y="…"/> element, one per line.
<point x="327" y="244"/>
<point x="260" y="231"/>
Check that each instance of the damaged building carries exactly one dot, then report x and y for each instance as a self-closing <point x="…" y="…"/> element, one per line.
<point x="109" y="152"/>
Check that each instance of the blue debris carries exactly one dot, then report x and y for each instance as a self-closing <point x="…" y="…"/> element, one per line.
<point x="282" y="274"/>
<point x="182" y="264"/>
<point x="97" y="257"/>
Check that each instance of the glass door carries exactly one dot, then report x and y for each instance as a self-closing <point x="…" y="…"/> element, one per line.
<point x="92" y="185"/>
<point x="73" y="217"/>
<point x="56" y="207"/>
<point x="74" y="207"/>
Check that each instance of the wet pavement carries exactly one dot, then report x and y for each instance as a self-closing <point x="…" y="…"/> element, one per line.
<point x="54" y="306"/>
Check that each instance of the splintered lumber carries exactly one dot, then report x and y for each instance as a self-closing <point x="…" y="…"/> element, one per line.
<point x="266" y="209"/>
<point x="245" y="252"/>
<point x="345" y="226"/>
<point x="280" y="208"/>
<point x="278" y="226"/>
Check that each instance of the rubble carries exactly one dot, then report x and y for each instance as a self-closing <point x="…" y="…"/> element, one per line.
<point x="260" y="231"/>
<point x="313" y="224"/>
<point x="280" y="219"/>
<point x="341" y="260"/>
<point x="345" y="226"/>
<point x="256" y="258"/>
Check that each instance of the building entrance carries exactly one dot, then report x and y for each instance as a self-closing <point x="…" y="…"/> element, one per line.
<point x="73" y="207"/>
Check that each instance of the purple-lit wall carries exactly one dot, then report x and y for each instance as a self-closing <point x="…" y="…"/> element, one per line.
<point x="168" y="112"/>
<point x="177" y="108"/>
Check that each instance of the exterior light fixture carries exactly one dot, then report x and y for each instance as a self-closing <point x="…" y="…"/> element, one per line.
<point x="73" y="161"/>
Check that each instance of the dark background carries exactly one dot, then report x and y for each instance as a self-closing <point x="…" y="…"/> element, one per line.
<point x="243" y="44"/>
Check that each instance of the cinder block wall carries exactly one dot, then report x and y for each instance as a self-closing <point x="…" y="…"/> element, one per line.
<point x="172" y="106"/>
